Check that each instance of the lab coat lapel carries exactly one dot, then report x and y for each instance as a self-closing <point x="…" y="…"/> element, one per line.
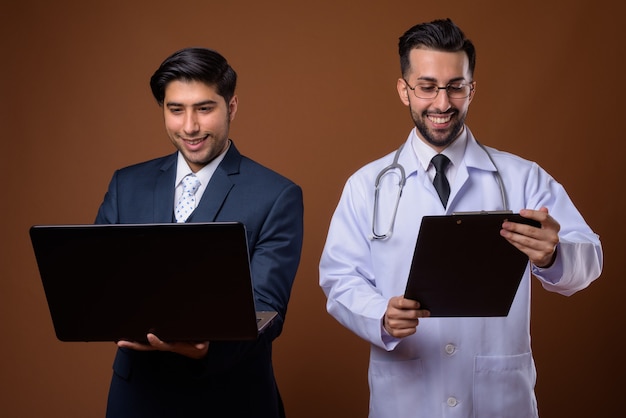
<point x="474" y="158"/>
<point x="413" y="168"/>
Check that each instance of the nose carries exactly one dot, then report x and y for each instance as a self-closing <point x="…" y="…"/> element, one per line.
<point x="190" y="124"/>
<point x="442" y="102"/>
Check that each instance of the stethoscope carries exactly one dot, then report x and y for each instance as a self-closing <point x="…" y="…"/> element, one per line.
<point x="395" y="165"/>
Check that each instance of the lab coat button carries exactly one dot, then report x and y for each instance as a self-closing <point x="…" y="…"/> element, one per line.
<point x="450" y="349"/>
<point x="452" y="401"/>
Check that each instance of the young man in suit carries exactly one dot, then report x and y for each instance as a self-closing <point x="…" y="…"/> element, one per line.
<point x="195" y="87"/>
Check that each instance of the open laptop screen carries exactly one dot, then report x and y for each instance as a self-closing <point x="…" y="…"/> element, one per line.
<point x="183" y="282"/>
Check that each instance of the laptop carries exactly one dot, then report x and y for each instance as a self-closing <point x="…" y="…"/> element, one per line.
<point x="462" y="267"/>
<point x="182" y="282"/>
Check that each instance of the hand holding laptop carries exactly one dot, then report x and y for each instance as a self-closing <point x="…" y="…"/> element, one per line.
<point x="192" y="350"/>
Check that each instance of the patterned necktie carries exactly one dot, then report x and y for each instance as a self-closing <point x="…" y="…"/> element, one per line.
<point x="440" y="162"/>
<point x="187" y="202"/>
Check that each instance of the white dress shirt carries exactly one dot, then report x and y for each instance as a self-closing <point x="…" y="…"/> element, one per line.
<point x="204" y="175"/>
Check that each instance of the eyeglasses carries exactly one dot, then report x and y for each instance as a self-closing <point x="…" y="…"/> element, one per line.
<point x="456" y="90"/>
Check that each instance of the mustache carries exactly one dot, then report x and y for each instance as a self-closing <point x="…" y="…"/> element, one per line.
<point x="447" y="112"/>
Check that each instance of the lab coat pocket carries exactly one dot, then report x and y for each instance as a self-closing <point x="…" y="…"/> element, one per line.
<point x="504" y="386"/>
<point x="391" y="384"/>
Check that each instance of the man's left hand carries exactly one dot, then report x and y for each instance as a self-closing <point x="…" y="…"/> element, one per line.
<point x="539" y="244"/>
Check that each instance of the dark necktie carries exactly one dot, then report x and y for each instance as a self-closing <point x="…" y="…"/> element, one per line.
<point x="440" y="162"/>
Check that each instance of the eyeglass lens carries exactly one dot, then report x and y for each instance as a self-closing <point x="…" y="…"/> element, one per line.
<point x="431" y="90"/>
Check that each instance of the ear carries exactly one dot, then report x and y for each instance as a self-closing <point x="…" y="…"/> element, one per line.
<point x="232" y="107"/>
<point x="403" y="91"/>
<point x="471" y="97"/>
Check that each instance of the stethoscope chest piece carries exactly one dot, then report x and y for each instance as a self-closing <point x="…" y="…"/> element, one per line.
<point x="395" y="165"/>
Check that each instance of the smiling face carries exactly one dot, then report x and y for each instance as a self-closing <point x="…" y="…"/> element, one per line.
<point x="439" y="121"/>
<point x="197" y="120"/>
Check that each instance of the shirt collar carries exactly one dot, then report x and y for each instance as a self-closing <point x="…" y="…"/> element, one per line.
<point x="455" y="151"/>
<point x="204" y="174"/>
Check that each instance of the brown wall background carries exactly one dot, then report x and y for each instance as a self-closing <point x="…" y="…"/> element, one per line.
<point x="317" y="101"/>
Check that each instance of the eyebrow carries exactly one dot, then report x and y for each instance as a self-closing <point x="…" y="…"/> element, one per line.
<point x="435" y="80"/>
<point x="203" y="103"/>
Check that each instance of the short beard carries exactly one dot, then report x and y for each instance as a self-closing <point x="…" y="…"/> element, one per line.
<point x="455" y="130"/>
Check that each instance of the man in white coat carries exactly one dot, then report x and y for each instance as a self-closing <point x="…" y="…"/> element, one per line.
<point x="438" y="367"/>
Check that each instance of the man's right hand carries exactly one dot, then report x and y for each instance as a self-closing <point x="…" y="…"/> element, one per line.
<point x="402" y="316"/>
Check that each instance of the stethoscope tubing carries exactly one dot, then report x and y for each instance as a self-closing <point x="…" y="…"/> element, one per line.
<point x="395" y="165"/>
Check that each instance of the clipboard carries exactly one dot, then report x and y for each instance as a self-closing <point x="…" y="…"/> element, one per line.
<point x="462" y="267"/>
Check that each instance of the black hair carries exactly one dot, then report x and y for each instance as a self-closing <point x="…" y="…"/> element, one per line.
<point x="440" y="35"/>
<point x="195" y="64"/>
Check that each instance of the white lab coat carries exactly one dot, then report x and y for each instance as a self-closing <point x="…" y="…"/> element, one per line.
<point x="456" y="367"/>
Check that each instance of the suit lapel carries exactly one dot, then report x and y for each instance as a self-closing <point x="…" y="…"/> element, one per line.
<point x="222" y="181"/>
<point x="164" y="191"/>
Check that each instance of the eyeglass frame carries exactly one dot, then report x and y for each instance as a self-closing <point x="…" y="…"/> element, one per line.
<point x="471" y="84"/>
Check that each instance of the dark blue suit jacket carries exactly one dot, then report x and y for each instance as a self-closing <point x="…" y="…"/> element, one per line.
<point x="236" y="379"/>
